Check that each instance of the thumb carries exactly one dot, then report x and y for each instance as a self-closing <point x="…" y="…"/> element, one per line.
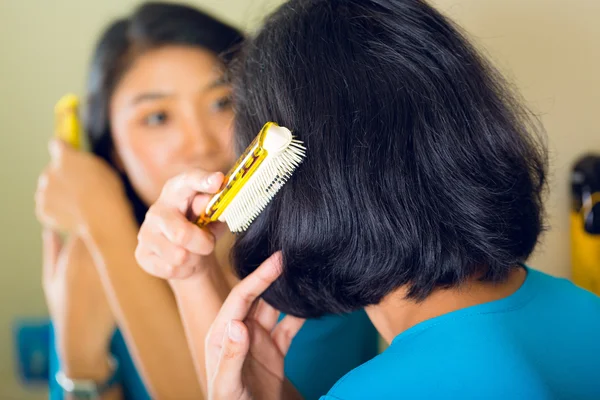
<point x="227" y="381"/>
<point x="51" y="246"/>
<point x="57" y="149"/>
<point x="285" y="331"/>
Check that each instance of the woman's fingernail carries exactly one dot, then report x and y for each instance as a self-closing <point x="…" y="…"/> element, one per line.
<point x="234" y="332"/>
<point x="52" y="146"/>
<point x="212" y="178"/>
<point x="43" y="181"/>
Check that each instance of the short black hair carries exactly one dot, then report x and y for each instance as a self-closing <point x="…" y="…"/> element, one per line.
<point x="152" y="25"/>
<point x="423" y="167"/>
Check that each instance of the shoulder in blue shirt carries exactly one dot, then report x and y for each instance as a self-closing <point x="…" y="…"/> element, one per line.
<point x="348" y="341"/>
<point x="543" y="342"/>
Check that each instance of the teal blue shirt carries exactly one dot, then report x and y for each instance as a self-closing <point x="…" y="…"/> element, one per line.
<point x="344" y="341"/>
<point x="542" y="342"/>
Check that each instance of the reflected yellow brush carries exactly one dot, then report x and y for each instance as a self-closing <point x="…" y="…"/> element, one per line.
<point x="67" y="126"/>
<point x="256" y="177"/>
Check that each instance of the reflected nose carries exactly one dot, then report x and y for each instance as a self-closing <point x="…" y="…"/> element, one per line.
<point x="201" y="149"/>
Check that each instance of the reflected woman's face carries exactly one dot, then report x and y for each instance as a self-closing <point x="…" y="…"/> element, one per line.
<point x="171" y="112"/>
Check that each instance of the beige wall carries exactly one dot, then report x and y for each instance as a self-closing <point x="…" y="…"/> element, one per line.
<point x="550" y="48"/>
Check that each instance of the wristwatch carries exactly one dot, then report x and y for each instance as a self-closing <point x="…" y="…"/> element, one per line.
<point x="89" y="389"/>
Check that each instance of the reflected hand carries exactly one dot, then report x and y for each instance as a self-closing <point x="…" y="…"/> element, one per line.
<point x="77" y="189"/>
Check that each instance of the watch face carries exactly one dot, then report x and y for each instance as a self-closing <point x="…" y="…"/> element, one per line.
<point x="85" y="394"/>
<point x="79" y="389"/>
<point x="87" y="389"/>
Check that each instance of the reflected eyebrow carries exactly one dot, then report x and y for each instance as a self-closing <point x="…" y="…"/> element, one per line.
<point x="217" y="83"/>
<point x="149" y="97"/>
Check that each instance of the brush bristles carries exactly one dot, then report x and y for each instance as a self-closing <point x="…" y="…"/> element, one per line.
<point x="262" y="186"/>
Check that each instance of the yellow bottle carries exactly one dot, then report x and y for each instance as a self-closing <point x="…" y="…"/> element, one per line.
<point x="585" y="255"/>
<point x="585" y="223"/>
<point x="67" y="126"/>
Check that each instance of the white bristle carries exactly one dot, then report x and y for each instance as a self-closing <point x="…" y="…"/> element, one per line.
<point x="262" y="186"/>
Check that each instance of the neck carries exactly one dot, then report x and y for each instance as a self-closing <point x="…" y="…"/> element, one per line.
<point x="395" y="314"/>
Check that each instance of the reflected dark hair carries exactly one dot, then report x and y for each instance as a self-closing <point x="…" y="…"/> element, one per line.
<point x="151" y="26"/>
<point x="423" y="168"/>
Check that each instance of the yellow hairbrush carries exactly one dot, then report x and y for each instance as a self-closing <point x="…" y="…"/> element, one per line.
<point x="67" y="126"/>
<point x="263" y="168"/>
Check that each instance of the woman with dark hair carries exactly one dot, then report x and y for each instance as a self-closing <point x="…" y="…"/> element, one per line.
<point x="420" y="201"/>
<point x="158" y="104"/>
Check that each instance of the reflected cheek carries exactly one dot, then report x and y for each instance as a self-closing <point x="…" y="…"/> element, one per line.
<point x="148" y="171"/>
<point x="227" y="144"/>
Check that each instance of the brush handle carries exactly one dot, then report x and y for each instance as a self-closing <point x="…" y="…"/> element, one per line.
<point x="203" y="221"/>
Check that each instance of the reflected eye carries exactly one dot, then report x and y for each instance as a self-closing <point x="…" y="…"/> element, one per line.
<point x="222" y="104"/>
<point x="156" y="119"/>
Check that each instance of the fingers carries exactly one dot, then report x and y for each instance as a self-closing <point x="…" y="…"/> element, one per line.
<point x="43" y="180"/>
<point x="242" y="296"/>
<point x="180" y="191"/>
<point x="187" y="235"/>
<point x="265" y="315"/>
<point x="168" y="251"/>
<point x="285" y="331"/>
<point x="181" y="232"/>
<point x="51" y="246"/>
<point x="55" y="147"/>
<point x="49" y="192"/>
<point x="41" y="195"/>
<point x="198" y="206"/>
<point x="170" y="246"/>
<point x="240" y="301"/>
<point x="156" y="266"/>
<point x="227" y="380"/>
<point x="58" y="150"/>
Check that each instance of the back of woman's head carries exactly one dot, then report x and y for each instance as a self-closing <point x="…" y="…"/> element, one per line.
<point x="422" y="169"/>
<point x="151" y="26"/>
